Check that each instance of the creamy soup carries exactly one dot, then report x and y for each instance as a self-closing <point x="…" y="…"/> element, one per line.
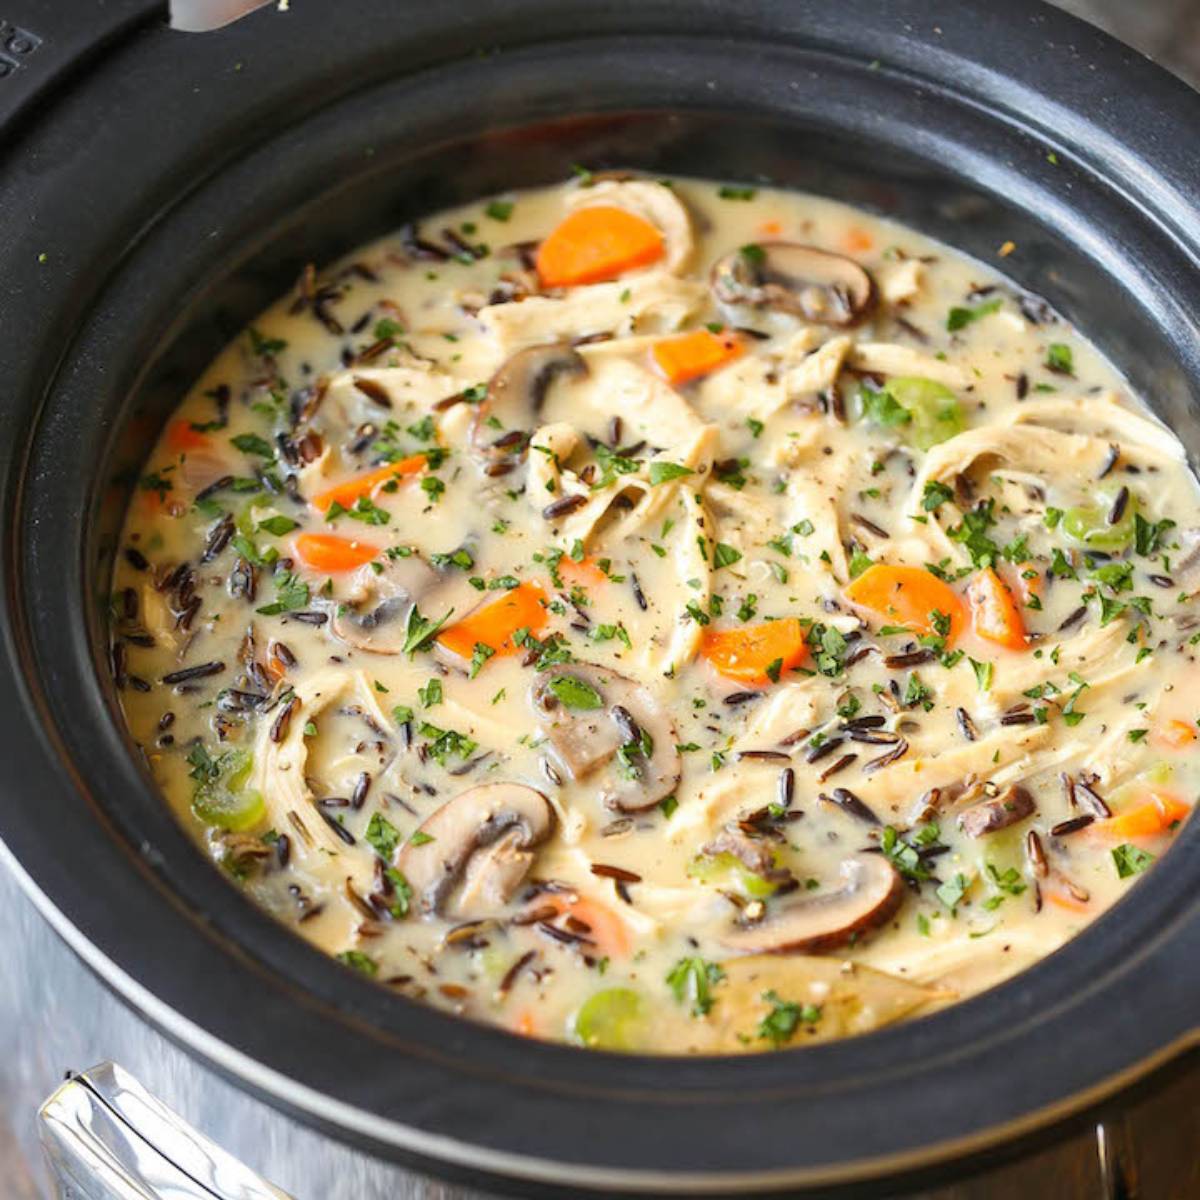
<point x="667" y="617"/>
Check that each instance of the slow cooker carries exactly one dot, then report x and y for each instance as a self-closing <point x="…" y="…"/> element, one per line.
<point x="158" y="190"/>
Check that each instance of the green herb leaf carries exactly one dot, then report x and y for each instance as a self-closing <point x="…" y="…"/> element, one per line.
<point x="935" y="495"/>
<point x="1060" y="359"/>
<point x="251" y="443"/>
<point x="725" y="555"/>
<point x="291" y="594"/>
<point x="780" y="1024"/>
<point x="691" y="981"/>
<point x="382" y="836"/>
<point x="984" y="671"/>
<point x="663" y="472"/>
<point x="575" y="693"/>
<point x="278" y="526"/>
<point x="363" y="963"/>
<point x="960" y="318"/>
<point x="1130" y="860"/>
<point x="419" y="632"/>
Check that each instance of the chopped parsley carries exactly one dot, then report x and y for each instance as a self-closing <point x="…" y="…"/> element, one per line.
<point x="664" y="472"/>
<point x="780" y="1024"/>
<point x="691" y="981"/>
<point x="960" y="317"/>
<point x="575" y="693"/>
<point x="382" y="836"/>
<point x="1130" y="860"/>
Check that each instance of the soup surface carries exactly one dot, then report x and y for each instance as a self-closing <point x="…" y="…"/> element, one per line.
<point x="668" y="617"/>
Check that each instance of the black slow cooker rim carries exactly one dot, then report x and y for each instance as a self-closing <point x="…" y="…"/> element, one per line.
<point x="70" y="899"/>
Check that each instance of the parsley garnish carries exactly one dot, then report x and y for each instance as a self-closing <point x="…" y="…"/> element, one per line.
<point x="291" y="594"/>
<point x="959" y="317"/>
<point x="780" y="1024"/>
<point x="691" y="979"/>
<point x="1130" y="860"/>
<point x="382" y="836"/>
<point x="663" y="472"/>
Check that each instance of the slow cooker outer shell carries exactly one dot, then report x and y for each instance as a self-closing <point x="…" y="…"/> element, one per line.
<point x="161" y="231"/>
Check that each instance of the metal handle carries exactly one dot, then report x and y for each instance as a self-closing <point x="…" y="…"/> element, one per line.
<point x="106" y="1138"/>
<point x="199" y="16"/>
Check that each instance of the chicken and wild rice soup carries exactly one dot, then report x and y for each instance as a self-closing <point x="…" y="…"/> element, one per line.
<point x="667" y="617"/>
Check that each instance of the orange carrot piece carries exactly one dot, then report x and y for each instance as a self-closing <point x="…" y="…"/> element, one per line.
<point x="1066" y="901"/>
<point x="687" y="357"/>
<point x="908" y="596"/>
<point x="329" y="553"/>
<point x="605" y="927"/>
<point x="525" y="1023"/>
<point x="771" y="228"/>
<point x="585" y="573"/>
<point x="1154" y="817"/>
<point x="857" y="241"/>
<point x="348" y="493"/>
<point x="594" y="244"/>
<point x="1175" y="735"/>
<point x="746" y="653"/>
<point x="994" y="611"/>
<point x="181" y="437"/>
<point x="493" y="623"/>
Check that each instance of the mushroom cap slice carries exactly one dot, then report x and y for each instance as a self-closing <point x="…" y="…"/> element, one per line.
<point x="481" y="845"/>
<point x="1014" y="804"/>
<point x="378" y="618"/>
<point x="871" y="891"/>
<point x="828" y="289"/>
<point x="596" y="718"/>
<point x="516" y="394"/>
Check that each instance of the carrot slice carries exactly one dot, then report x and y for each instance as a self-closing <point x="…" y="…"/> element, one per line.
<point x="1175" y="735"/>
<point x="605" y="928"/>
<point x="181" y="437"/>
<point x="687" y="357"/>
<point x="347" y="493"/>
<point x="493" y="624"/>
<point x="328" y="552"/>
<point x="1066" y="901"/>
<point x="525" y="1023"/>
<point x="746" y="653"/>
<point x="908" y="596"/>
<point x="1154" y="817"/>
<point x="594" y="244"/>
<point x="585" y="573"/>
<point x="994" y="611"/>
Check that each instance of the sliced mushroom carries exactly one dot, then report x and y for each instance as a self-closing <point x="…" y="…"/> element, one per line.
<point x="1012" y="805"/>
<point x="479" y="845"/>
<point x="377" y="617"/>
<point x="595" y="718"/>
<point x="516" y="394"/>
<point x="871" y="891"/>
<point x="826" y="288"/>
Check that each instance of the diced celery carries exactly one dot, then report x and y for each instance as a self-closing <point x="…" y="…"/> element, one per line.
<point x="934" y="408"/>
<point x="613" y="1019"/>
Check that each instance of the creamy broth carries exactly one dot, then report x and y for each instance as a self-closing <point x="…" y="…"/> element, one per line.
<point x="668" y="617"/>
